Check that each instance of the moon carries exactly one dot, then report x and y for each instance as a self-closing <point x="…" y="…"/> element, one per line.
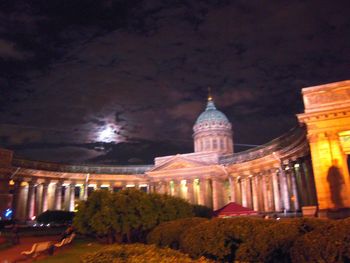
<point x="107" y="134"/>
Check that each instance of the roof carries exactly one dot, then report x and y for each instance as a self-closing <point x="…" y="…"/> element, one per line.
<point x="76" y="168"/>
<point x="234" y="209"/>
<point x="211" y="114"/>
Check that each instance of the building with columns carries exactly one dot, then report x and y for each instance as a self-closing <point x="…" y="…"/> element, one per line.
<point x="306" y="167"/>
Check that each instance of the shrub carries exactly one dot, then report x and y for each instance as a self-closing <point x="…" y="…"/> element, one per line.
<point x="56" y="217"/>
<point x="202" y="211"/>
<point x="168" y="234"/>
<point x="138" y="253"/>
<point x="329" y="243"/>
<point x="219" y="238"/>
<point x="273" y="243"/>
<point x="127" y="215"/>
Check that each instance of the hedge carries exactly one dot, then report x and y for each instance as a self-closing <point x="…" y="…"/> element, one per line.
<point x="169" y="234"/>
<point x="219" y="238"/>
<point x="274" y="243"/>
<point x="138" y="253"/>
<point x="329" y="243"/>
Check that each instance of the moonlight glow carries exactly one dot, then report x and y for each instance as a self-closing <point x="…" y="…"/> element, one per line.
<point x="107" y="134"/>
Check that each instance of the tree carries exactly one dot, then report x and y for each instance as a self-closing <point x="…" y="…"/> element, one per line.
<point x="127" y="215"/>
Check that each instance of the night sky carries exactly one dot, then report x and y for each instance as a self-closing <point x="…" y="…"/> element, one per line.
<point x="121" y="82"/>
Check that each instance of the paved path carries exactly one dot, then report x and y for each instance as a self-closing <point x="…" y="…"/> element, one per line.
<point x="14" y="253"/>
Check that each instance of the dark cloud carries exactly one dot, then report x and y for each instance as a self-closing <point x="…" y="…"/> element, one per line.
<point x="76" y="73"/>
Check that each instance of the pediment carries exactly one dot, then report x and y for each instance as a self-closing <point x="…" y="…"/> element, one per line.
<point x="177" y="162"/>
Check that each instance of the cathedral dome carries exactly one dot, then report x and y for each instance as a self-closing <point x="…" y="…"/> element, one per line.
<point x="212" y="131"/>
<point x="211" y="115"/>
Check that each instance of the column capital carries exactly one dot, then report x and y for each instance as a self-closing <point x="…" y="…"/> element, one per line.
<point x="176" y="181"/>
<point x="189" y="181"/>
<point x="59" y="183"/>
<point x="32" y="183"/>
<point x="46" y="183"/>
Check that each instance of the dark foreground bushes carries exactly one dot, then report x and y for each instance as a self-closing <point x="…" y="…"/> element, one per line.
<point x="274" y="243"/>
<point x="169" y="234"/>
<point x="219" y="239"/>
<point x="257" y="240"/>
<point x="328" y="243"/>
<point x="139" y="253"/>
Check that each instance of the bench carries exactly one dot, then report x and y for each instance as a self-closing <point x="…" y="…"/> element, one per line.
<point x="37" y="249"/>
<point x="65" y="241"/>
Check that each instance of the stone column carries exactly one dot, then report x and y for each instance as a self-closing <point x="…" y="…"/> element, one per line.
<point x="276" y="192"/>
<point x="58" y="196"/>
<point x="239" y="191"/>
<point x="21" y="204"/>
<point x="204" y="192"/>
<point x="284" y="189"/>
<point x="81" y="192"/>
<point x="166" y="187"/>
<point x="269" y="189"/>
<point x="190" y="192"/>
<point x="249" y="192"/>
<point x="72" y="197"/>
<point x="163" y="187"/>
<point x="176" y="185"/>
<point x="30" y="201"/>
<point x="157" y="187"/>
<point x="264" y="192"/>
<point x="232" y="189"/>
<point x="66" y="198"/>
<point x="16" y="193"/>
<point x="255" y="193"/>
<point x="38" y="199"/>
<point x="217" y="193"/>
<point x="45" y="196"/>
<point x="86" y="185"/>
<point x="244" y="192"/>
<point x="295" y="198"/>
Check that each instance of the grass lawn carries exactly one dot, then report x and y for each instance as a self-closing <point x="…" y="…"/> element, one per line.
<point x="73" y="252"/>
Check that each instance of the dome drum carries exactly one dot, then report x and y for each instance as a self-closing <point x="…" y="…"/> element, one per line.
<point x="212" y="131"/>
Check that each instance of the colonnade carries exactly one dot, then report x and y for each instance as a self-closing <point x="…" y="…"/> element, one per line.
<point x="31" y="198"/>
<point x="276" y="189"/>
<point x="211" y="192"/>
<point x="286" y="188"/>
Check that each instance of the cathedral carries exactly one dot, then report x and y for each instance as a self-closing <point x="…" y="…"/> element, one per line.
<point x="303" y="171"/>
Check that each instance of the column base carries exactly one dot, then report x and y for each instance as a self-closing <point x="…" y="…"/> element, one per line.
<point x="334" y="213"/>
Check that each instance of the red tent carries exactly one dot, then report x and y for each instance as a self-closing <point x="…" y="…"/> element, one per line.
<point x="233" y="209"/>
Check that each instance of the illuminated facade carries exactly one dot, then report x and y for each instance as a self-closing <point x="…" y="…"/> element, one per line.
<point x="276" y="177"/>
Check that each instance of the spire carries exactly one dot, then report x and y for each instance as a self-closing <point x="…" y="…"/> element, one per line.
<point x="210" y="98"/>
<point x="210" y="104"/>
